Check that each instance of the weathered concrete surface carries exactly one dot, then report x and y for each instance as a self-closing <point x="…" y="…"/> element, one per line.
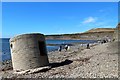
<point x="117" y="33"/>
<point x="28" y="51"/>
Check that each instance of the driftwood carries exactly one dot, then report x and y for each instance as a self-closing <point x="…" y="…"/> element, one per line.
<point x="36" y="70"/>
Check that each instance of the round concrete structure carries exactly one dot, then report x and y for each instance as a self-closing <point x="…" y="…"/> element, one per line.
<point x="117" y="33"/>
<point x="28" y="51"/>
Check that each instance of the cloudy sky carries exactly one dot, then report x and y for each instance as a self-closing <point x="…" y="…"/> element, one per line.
<point x="57" y="18"/>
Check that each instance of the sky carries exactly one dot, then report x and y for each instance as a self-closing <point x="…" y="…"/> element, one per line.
<point x="57" y="17"/>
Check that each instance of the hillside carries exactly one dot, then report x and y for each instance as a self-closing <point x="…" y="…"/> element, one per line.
<point x="93" y="34"/>
<point x="101" y="30"/>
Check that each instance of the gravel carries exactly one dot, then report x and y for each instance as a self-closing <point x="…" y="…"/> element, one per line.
<point x="100" y="61"/>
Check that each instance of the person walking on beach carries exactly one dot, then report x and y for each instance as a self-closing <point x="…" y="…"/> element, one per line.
<point x="88" y="46"/>
<point x="67" y="47"/>
<point x="60" y="48"/>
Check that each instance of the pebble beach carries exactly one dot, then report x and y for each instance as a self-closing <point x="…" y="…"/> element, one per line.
<point x="100" y="61"/>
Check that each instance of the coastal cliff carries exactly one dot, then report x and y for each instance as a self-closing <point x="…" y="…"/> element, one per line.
<point x="93" y="34"/>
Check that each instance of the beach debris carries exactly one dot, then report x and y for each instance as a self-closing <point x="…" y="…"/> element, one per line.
<point x="28" y="51"/>
<point x="31" y="71"/>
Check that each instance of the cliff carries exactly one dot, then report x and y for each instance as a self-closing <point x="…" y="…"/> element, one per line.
<point x="93" y="34"/>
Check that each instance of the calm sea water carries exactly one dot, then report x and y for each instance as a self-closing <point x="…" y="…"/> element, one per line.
<point x="5" y="49"/>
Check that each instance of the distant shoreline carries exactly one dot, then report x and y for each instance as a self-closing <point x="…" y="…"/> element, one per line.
<point x="92" y="34"/>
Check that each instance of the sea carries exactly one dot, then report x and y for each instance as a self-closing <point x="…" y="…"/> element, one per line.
<point x="5" y="53"/>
